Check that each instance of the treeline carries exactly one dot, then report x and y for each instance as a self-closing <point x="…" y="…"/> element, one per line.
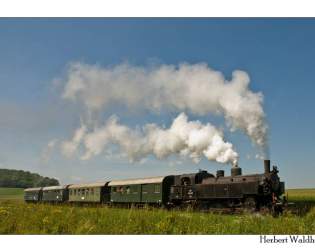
<point x="24" y="179"/>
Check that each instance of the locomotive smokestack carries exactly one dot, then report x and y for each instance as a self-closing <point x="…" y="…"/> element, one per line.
<point x="267" y="166"/>
<point x="220" y="173"/>
<point x="236" y="171"/>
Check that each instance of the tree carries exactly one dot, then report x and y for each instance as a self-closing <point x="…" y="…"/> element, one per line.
<point x="24" y="179"/>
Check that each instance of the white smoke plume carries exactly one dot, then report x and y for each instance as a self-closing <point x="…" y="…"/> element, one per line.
<point x="187" y="87"/>
<point x="47" y="151"/>
<point x="68" y="148"/>
<point x="183" y="137"/>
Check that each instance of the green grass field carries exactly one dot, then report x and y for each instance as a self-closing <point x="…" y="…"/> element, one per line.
<point x="16" y="217"/>
<point x="11" y="194"/>
<point x="304" y="195"/>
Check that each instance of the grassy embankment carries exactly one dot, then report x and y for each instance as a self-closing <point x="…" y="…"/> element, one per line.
<point x="19" y="218"/>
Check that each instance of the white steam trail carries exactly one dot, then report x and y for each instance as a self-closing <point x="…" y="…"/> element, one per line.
<point x="187" y="87"/>
<point x="47" y="151"/>
<point x="183" y="137"/>
<point x="68" y="148"/>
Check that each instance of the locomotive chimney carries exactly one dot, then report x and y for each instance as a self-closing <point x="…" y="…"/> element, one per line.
<point x="267" y="166"/>
<point x="236" y="171"/>
<point x="220" y="173"/>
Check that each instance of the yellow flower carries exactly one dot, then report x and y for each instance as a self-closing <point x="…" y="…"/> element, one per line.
<point x="45" y="220"/>
<point x="4" y="212"/>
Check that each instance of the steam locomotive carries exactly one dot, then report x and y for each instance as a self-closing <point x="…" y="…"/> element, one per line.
<point x="253" y="192"/>
<point x="200" y="190"/>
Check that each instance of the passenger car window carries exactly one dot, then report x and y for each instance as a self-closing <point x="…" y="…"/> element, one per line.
<point x="121" y="189"/>
<point x="134" y="189"/>
<point x="144" y="189"/>
<point x="157" y="188"/>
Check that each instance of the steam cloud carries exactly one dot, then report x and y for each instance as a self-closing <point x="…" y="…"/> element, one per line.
<point x="68" y="148"/>
<point x="194" y="88"/>
<point x="187" y="138"/>
<point x="47" y="151"/>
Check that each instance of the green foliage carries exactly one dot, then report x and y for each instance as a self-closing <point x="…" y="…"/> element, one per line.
<point x="24" y="179"/>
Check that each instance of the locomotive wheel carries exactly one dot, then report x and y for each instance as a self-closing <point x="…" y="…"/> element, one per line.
<point x="250" y="204"/>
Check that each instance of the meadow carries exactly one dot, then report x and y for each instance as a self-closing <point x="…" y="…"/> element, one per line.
<point x="11" y="194"/>
<point x="16" y="217"/>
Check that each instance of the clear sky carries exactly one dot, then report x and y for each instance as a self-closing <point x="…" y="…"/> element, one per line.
<point x="278" y="55"/>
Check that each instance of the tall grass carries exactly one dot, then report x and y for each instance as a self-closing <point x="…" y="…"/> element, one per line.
<point x="19" y="218"/>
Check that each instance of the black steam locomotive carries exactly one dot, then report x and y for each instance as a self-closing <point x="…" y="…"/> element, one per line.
<point x="200" y="190"/>
<point x="254" y="191"/>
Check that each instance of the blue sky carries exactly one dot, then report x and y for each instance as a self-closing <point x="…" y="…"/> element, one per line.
<point x="278" y="54"/>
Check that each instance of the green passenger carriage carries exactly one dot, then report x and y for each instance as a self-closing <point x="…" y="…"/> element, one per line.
<point x="92" y="192"/>
<point x="33" y="194"/>
<point x="153" y="190"/>
<point x="55" y="193"/>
